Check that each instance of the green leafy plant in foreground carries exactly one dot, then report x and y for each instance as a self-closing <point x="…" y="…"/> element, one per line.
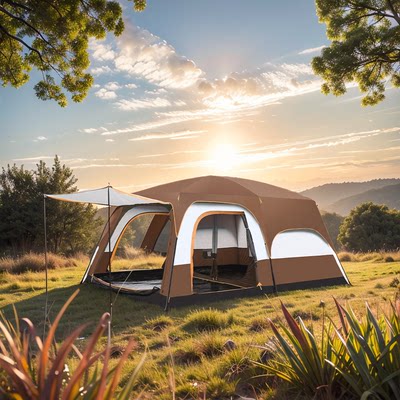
<point x="36" y="369"/>
<point x="360" y="359"/>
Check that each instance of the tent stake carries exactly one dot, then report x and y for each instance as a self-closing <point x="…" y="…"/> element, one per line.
<point x="45" y="265"/>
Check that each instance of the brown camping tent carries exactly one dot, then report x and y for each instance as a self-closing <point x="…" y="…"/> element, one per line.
<point x="221" y="236"/>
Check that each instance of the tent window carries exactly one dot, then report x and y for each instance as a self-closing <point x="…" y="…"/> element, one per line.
<point x="129" y="254"/>
<point x="161" y="245"/>
<point x="222" y="256"/>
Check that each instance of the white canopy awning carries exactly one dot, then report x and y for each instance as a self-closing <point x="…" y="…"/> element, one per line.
<point x="105" y="196"/>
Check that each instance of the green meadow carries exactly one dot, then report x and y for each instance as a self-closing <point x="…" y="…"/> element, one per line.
<point x="187" y="352"/>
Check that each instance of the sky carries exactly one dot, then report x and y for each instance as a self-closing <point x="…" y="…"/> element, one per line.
<point x="207" y="87"/>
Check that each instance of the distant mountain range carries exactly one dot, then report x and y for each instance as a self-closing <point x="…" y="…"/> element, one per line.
<point x="342" y="197"/>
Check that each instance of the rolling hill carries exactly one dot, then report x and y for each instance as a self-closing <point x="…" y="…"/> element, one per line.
<point x="342" y="197"/>
<point x="389" y="195"/>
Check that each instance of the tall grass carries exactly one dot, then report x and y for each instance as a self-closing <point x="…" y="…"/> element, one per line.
<point x="130" y="257"/>
<point x="375" y="256"/>
<point x="36" y="262"/>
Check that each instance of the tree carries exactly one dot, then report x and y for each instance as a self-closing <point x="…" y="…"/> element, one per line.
<point x="52" y="36"/>
<point x="371" y="227"/>
<point x="17" y="217"/>
<point x="365" y="46"/>
<point x="71" y="227"/>
<point x="332" y="223"/>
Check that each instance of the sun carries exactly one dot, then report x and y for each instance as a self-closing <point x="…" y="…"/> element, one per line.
<point x="224" y="157"/>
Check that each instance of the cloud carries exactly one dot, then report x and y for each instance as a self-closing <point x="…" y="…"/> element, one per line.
<point x="172" y="136"/>
<point x="144" y="55"/>
<point x="131" y="86"/>
<point x="389" y="161"/>
<point x="104" y="69"/>
<point x="80" y="160"/>
<point x="112" y="86"/>
<point x="136" y="104"/>
<point x="157" y="123"/>
<point x="33" y="159"/>
<point x="268" y="85"/>
<point x="330" y="141"/>
<point x="156" y="92"/>
<point x="174" y="153"/>
<point x="90" y="130"/>
<point x="248" y="153"/>
<point x="110" y="140"/>
<point x="86" y="166"/>
<point x="311" y="50"/>
<point x="101" y="51"/>
<point x="105" y="94"/>
<point x="41" y="138"/>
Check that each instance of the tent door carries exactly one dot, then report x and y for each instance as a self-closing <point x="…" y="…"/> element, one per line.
<point x="223" y="253"/>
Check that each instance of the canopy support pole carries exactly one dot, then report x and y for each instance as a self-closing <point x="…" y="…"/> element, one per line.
<point x="45" y="266"/>
<point x="273" y="276"/>
<point x="214" y="251"/>
<point x="109" y="263"/>
<point x="170" y="278"/>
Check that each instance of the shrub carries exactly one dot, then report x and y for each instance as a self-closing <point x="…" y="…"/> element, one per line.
<point x="389" y="259"/>
<point x="359" y="359"/>
<point x="208" y="320"/>
<point x="345" y="256"/>
<point x="43" y="372"/>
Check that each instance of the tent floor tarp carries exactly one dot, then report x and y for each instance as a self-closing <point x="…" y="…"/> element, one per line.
<point x="146" y="284"/>
<point x="148" y="281"/>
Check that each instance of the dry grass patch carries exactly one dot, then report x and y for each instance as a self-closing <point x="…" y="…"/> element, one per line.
<point x="35" y="262"/>
<point x="136" y="258"/>
<point x="374" y="256"/>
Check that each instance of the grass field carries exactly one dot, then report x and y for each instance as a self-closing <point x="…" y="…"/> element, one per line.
<point x="186" y="350"/>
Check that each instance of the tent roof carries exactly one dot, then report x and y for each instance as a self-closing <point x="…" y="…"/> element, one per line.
<point x="104" y="196"/>
<point x="218" y="185"/>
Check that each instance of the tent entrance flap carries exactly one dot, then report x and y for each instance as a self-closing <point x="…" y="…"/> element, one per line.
<point x="223" y="254"/>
